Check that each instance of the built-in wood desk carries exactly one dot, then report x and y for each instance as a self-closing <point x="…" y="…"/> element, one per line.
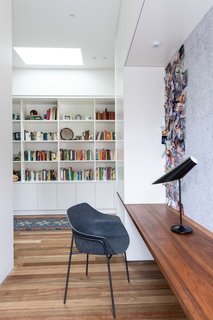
<point x="185" y="260"/>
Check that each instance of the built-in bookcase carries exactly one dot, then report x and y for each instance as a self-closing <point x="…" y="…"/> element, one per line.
<point x="68" y="140"/>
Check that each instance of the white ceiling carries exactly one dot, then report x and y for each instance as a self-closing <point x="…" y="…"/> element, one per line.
<point x="49" y="23"/>
<point x="168" y="21"/>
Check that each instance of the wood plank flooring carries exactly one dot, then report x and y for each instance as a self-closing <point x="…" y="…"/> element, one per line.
<point x="35" y="288"/>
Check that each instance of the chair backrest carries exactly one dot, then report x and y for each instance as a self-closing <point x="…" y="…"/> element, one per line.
<point x="87" y="223"/>
<point x="82" y="217"/>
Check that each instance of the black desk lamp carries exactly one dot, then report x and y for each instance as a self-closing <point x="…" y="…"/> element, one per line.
<point x="176" y="174"/>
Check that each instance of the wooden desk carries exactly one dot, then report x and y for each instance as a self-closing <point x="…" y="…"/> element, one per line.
<point x="185" y="260"/>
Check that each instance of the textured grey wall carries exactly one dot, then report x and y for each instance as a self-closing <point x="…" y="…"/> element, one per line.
<point x="198" y="184"/>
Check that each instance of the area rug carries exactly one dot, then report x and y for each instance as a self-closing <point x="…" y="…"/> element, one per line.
<point x="39" y="224"/>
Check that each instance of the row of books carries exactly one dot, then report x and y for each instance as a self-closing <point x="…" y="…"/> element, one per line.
<point x="66" y="154"/>
<point x="41" y="175"/>
<point x="104" y="154"/>
<point x="39" y="136"/>
<point x="68" y="174"/>
<point x="105" y="135"/>
<point x="40" y="155"/>
<point x="51" y="114"/>
<point x="105" y="115"/>
<point x="105" y="173"/>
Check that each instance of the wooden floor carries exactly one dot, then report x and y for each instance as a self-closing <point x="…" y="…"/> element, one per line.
<point x="34" y="290"/>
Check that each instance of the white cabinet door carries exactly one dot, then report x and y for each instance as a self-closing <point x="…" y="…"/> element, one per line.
<point x="66" y="195"/>
<point x="46" y="196"/>
<point x="25" y="196"/>
<point x="105" y="195"/>
<point x="85" y="192"/>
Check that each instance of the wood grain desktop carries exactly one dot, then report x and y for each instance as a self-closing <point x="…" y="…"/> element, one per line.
<point x="185" y="260"/>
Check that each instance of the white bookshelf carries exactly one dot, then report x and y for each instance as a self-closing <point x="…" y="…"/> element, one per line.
<point x="44" y="165"/>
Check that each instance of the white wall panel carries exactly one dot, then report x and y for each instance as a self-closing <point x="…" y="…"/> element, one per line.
<point x="85" y="192"/>
<point x="25" y="196"/>
<point x="46" y="196"/>
<point x="105" y="195"/>
<point x="143" y="116"/>
<point x="66" y="195"/>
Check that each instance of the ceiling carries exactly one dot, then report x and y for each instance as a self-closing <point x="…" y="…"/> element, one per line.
<point x="87" y="24"/>
<point x="168" y="21"/>
<point x="92" y="24"/>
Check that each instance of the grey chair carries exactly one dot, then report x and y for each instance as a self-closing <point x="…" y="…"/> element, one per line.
<point x="99" y="234"/>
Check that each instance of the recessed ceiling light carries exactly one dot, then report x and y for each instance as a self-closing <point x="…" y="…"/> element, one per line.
<point x="50" y="56"/>
<point x="155" y="44"/>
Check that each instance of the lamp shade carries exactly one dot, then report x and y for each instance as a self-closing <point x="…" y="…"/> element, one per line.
<point x="178" y="172"/>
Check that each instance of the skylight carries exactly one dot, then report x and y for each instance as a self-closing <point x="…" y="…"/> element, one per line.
<point x="50" y="56"/>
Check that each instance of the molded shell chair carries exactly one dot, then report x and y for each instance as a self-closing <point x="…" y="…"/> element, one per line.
<point x="96" y="233"/>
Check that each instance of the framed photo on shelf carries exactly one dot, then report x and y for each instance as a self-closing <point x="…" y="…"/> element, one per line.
<point x="67" y="117"/>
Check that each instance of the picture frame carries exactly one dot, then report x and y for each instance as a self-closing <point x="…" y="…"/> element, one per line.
<point x="66" y="117"/>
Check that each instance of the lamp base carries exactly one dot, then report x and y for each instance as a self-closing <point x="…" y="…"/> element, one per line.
<point x="181" y="229"/>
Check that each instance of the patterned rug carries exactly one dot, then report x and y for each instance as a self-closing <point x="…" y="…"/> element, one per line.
<point x="39" y="224"/>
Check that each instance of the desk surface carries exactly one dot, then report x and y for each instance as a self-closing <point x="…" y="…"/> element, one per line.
<point x="185" y="260"/>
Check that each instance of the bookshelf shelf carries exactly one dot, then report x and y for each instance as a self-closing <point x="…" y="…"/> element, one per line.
<point x="76" y="161"/>
<point x="74" y="173"/>
<point x="104" y="140"/>
<point x="39" y="161"/>
<point x="40" y="121"/>
<point x="107" y="121"/>
<point x="105" y="160"/>
<point x="40" y="141"/>
<point x="76" y="141"/>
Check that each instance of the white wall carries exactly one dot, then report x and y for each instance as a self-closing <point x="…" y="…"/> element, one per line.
<point x="143" y="116"/>
<point x="60" y="82"/>
<point x="6" y="200"/>
<point x="143" y="162"/>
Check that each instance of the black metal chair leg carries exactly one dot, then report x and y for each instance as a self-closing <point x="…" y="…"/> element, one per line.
<point x="110" y="285"/>
<point x="68" y="269"/>
<point x="87" y="264"/>
<point x="127" y="269"/>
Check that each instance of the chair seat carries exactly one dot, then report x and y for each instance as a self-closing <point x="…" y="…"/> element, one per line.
<point x="88" y="222"/>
